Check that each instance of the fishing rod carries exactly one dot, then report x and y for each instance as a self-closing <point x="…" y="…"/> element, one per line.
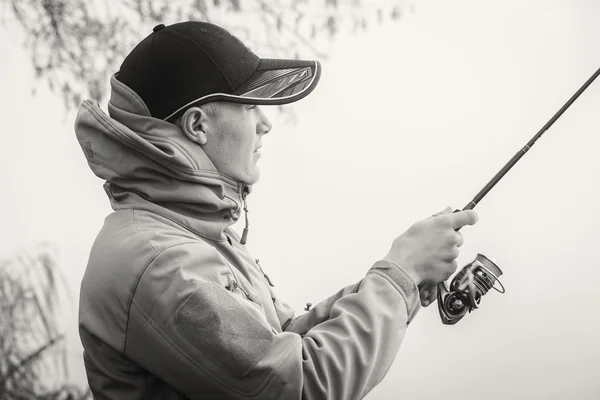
<point x="479" y="276"/>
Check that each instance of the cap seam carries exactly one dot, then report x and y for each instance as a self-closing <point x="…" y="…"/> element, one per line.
<point x="202" y="50"/>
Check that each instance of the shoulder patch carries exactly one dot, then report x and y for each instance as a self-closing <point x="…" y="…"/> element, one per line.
<point x="220" y="327"/>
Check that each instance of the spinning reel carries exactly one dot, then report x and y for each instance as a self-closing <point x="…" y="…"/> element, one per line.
<point x="467" y="288"/>
<point x="481" y="275"/>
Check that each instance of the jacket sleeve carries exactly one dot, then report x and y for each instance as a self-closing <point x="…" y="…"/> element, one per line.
<point x="302" y="323"/>
<point x="189" y="330"/>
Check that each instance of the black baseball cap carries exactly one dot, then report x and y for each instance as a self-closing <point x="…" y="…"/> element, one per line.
<point x="192" y="63"/>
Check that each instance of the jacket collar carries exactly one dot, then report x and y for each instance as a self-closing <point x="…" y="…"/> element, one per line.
<point x="194" y="217"/>
<point x="149" y="164"/>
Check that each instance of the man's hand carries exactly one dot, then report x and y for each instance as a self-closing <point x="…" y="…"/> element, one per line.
<point x="427" y="251"/>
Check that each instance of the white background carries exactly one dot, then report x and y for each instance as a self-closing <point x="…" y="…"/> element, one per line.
<point x="408" y="119"/>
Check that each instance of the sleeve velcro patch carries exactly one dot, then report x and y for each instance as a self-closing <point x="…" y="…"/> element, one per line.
<point x="223" y="329"/>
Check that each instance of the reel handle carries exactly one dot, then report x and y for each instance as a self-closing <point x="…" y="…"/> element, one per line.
<point x="451" y="308"/>
<point x="467" y="288"/>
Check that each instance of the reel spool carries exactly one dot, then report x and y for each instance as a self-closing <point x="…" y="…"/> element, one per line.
<point x="467" y="288"/>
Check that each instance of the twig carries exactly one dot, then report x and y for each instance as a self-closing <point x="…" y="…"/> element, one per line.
<point x="29" y="359"/>
<point x="294" y="32"/>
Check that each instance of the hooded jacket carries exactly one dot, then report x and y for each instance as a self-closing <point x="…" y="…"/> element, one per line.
<point x="173" y="306"/>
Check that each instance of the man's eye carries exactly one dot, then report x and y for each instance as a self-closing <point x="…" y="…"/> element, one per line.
<point x="251" y="107"/>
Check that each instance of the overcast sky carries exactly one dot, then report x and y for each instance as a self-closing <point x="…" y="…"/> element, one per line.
<point x="407" y="119"/>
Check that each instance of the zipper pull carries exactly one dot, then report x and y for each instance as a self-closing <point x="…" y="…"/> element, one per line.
<point x="247" y="227"/>
<point x="265" y="275"/>
<point x="231" y="283"/>
<point x="234" y="285"/>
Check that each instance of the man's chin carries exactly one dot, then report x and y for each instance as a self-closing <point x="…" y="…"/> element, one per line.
<point x="252" y="178"/>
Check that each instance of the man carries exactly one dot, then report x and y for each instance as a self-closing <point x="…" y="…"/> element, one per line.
<point x="172" y="304"/>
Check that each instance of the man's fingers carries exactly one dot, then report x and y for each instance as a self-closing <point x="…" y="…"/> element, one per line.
<point x="459" y="239"/>
<point x="446" y="210"/>
<point x="462" y="218"/>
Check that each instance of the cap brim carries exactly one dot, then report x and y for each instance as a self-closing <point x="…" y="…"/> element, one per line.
<point x="280" y="81"/>
<point x="274" y="82"/>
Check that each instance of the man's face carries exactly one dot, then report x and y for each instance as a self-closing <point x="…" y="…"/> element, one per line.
<point x="235" y="134"/>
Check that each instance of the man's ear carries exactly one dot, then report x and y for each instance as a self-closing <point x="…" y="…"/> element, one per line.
<point x="194" y="124"/>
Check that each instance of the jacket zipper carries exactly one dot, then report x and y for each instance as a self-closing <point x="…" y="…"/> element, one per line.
<point x="247" y="226"/>
<point x="263" y="272"/>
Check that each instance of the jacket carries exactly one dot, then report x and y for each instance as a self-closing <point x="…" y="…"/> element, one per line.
<point x="173" y="306"/>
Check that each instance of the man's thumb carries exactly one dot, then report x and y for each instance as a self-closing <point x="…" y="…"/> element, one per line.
<point x="462" y="218"/>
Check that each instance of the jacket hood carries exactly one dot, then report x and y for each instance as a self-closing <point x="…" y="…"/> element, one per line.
<point x="149" y="164"/>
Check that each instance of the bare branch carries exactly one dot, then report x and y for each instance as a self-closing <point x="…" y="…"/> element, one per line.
<point x="23" y="364"/>
<point x="76" y="45"/>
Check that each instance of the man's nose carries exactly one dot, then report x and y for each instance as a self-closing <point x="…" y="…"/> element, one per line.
<point x="264" y="124"/>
